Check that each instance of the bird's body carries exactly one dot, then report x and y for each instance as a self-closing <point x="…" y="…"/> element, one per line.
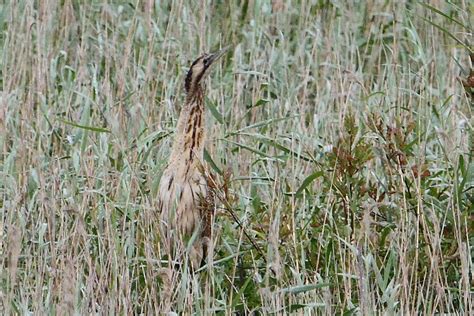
<point x="183" y="185"/>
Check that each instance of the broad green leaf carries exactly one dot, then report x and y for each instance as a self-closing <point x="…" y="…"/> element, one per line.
<point x="309" y="179"/>
<point x="211" y="162"/>
<point x="215" y="112"/>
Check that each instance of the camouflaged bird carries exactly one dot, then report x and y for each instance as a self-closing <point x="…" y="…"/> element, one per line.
<point x="184" y="201"/>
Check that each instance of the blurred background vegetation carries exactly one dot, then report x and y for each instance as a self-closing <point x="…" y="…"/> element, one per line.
<point x="341" y="133"/>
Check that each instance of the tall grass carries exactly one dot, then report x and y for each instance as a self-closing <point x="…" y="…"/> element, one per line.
<point x="341" y="130"/>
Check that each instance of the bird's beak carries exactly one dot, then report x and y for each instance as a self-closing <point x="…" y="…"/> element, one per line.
<point x="215" y="56"/>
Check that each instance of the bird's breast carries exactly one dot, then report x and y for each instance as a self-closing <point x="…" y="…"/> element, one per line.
<point x="182" y="188"/>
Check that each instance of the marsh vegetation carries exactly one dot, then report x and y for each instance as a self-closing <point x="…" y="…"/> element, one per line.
<point x="340" y="133"/>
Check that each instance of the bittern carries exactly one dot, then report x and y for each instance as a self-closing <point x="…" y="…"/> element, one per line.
<point x="183" y="187"/>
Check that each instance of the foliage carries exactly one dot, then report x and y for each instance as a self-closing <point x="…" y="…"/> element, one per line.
<point x="340" y="141"/>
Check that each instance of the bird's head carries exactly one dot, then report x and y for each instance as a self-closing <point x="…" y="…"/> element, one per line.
<point x="200" y="68"/>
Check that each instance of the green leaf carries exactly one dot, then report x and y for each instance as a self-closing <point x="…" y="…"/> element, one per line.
<point x="89" y="128"/>
<point x="445" y="15"/>
<point x="377" y="93"/>
<point x="445" y="31"/>
<point x="255" y="151"/>
<point x="211" y="162"/>
<point x="265" y="123"/>
<point x="217" y="115"/>
<point x="308" y="181"/>
<point x="463" y="172"/>
<point x="276" y="145"/>
<point x="294" y="307"/>
<point x="304" y="288"/>
<point x="260" y="102"/>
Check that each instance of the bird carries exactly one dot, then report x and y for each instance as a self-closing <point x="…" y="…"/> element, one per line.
<point x="184" y="197"/>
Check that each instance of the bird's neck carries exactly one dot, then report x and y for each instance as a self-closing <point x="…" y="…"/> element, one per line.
<point x="188" y="146"/>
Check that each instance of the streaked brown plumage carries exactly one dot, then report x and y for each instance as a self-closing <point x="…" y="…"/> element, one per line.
<point x="183" y="189"/>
